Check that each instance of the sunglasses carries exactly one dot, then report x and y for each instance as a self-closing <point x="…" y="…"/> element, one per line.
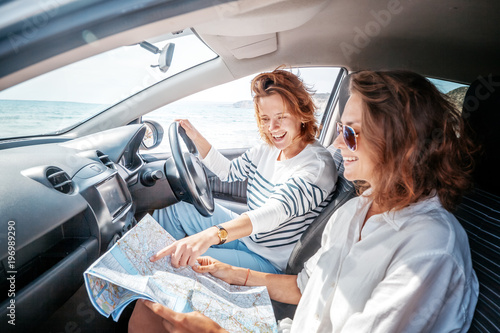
<point x="349" y="136"/>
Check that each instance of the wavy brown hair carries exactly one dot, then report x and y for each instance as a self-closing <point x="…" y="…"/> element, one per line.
<point x="416" y="137"/>
<point x="296" y="97"/>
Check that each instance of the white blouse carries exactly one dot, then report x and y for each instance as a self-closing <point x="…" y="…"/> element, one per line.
<point x="410" y="272"/>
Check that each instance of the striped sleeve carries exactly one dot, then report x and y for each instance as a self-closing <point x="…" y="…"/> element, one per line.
<point x="294" y="198"/>
<point x="229" y="171"/>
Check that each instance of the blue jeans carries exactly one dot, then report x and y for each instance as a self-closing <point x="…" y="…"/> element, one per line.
<point x="182" y="219"/>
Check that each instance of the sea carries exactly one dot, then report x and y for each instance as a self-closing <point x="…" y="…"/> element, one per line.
<point x="223" y="124"/>
<point x="19" y="118"/>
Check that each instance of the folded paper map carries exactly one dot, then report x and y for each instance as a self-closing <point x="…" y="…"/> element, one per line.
<point x="124" y="274"/>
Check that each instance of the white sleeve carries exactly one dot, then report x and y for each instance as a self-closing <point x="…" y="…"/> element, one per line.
<point x="311" y="263"/>
<point x="226" y="170"/>
<point x="299" y="195"/>
<point x="217" y="163"/>
<point x="305" y="273"/>
<point x="267" y="217"/>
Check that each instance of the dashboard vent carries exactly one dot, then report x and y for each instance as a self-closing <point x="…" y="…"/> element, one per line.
<point x="105" y="160"/>
<point x="59" y="180"/>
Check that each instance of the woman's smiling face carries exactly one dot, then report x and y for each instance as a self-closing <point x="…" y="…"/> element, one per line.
<point x="281" y="127"/>
<point x="358" y="165"/>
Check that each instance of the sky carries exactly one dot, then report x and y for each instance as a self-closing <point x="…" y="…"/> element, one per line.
<point x="446" y="86"/>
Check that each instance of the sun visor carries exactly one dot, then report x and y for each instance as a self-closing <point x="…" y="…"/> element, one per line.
<point x="258" y="17"/>
<point x="251" y="46"/>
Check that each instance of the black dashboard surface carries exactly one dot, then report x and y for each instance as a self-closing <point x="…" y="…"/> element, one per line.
<point x="62" y="205"/>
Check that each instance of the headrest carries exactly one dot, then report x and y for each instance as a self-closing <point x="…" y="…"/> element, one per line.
<point x="481" y="111"/>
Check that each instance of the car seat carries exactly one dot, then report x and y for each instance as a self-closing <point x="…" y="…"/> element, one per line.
<point x="479" y="212"/>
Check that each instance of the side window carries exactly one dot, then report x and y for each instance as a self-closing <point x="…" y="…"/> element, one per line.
<point x="455" y="92"/>
<point x="225" y="114"/>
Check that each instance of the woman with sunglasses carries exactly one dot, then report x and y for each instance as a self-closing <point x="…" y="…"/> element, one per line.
<point x="290" y="179"/>
<point x="394" y="259"/>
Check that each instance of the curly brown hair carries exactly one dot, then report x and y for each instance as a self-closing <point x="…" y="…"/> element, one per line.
<point x="416" y="137"/>
<point x="295" y="95"/>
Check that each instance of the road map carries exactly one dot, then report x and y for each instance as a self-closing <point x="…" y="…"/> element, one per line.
<point x="124" y="274"/>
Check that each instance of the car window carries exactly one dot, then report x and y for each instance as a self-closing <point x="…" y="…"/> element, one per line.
<point x="225" y="114"/>
<point x="59" y="100"/>
<point x="454" y="91"/>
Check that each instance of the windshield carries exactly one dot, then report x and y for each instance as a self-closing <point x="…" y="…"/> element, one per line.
<point x="59" y="100"/>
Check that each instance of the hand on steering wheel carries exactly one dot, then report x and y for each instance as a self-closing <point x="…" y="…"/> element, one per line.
<point x="186" y="174"/>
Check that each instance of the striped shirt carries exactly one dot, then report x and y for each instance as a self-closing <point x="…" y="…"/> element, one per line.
<point x="283" y="197"/>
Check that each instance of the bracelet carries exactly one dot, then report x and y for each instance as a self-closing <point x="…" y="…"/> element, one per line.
<point x="248" y="274"/>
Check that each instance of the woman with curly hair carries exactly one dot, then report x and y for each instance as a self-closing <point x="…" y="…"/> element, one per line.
<point x="290" y="178"/>
<point x="393" y="259"/>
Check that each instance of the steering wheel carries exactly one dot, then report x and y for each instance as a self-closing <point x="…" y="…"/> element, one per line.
<point x="186" y="173"/>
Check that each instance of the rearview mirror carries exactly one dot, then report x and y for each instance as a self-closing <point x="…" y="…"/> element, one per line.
<point x="166" y="54"/>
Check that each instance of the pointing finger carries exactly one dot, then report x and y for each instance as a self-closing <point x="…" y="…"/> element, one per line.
<point x="162" y="253"/>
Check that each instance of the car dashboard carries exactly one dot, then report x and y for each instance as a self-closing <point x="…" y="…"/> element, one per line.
<point x="63" y="205"/>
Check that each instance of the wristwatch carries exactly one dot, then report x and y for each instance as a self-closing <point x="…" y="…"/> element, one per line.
<point x="222" y="234"/>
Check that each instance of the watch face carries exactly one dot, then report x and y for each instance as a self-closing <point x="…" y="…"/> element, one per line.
<point x="223" y="233"/>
